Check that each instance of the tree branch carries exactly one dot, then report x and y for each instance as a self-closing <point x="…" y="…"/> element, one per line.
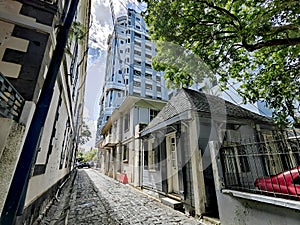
<point x="274" y="42"/>
<point x="226" y="12"/>
<point x="224" y="37"/>
<point x="276" y="30"/>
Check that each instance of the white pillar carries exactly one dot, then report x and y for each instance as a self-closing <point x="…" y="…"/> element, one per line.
<point x="197" y="168"/>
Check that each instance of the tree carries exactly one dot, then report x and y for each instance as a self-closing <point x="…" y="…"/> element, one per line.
<point x="80" y="154"/>
<point x="256" y="42"/>
<point x="85" y="134"/>
<point x="90" y="155"/>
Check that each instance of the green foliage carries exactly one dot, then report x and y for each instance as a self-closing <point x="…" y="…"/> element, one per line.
<point x="182" y="67"/>
<point x="85" y="134"/>
<point x="87" y="156"/>
<point x="80" y="156"/>
<point x="77" y="31"/>
<point x="256" y="42"/>
<point x="90" y="155"/>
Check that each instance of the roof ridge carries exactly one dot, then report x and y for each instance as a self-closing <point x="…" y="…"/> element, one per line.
<point x="186" y="90"/>
<point x="227" y="103"/>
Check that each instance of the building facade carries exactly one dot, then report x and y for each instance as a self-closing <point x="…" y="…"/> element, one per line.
<point x="221" y="160"/>
<point x="27" y="42"/>
<point x="128" y="67"/>
<point x="120" y="153"/>
<point x="176" y="159"/>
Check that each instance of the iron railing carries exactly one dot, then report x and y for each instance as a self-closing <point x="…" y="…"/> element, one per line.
<point x="11" y="102"/>
<point x="271" y="167"/>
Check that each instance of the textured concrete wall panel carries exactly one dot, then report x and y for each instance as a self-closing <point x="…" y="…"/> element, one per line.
<point x="10" y="155"/>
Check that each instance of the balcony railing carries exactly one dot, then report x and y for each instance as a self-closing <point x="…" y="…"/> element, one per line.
<point x="269" y="168"/>
<point x="11" y="102"/>
<point x="109" y="141"/>
<point x="114" y="85"/>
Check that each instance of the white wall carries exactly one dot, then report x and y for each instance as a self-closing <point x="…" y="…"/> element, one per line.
<point x="241" y="211"/>
<point x="38" y="184"/>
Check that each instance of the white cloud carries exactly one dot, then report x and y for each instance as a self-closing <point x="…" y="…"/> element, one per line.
<point x="101" y="19"/>
<point x="99" y="33"/>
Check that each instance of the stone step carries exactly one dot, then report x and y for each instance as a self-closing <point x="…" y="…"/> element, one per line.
<point x="211" y="221"/>
<point x="172" y="203"/>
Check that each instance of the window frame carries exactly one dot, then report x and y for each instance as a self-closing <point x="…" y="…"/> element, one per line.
<point x="125" y="153"/>
<point x="153" y="156"/>
<point x="126" y="122"/>
<point x="152" y="114"/>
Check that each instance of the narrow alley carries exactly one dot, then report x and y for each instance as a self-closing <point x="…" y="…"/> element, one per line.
<point x="93" y="198"/>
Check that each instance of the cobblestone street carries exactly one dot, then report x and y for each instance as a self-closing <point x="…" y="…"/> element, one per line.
<point x="97" y="199"/>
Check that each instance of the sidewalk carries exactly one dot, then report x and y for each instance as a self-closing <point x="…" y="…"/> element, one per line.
<point x="97" y="199"/>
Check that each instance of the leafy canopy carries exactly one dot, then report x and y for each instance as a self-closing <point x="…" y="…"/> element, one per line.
<point x="182" y="67"/>
<point x="256" y="42"/>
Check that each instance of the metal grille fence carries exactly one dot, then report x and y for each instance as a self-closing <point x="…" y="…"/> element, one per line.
<point x="11" y="102"/>
<point x="270" y="167"/>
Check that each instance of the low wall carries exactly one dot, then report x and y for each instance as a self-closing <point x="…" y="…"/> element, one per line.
<point x="11" y="135"/>
<point x="252" y="209"/>
<point x="39" y="206"/>
<point x="242" y="208"/>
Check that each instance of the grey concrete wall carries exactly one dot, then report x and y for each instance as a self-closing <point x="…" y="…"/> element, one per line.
<point x="250" y="209"/>
<point x="11" y="136"/>
<point x="234" y="210"/>
<point x="5" y="126"/>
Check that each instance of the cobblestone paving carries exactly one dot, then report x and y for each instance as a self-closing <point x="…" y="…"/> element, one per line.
<point x="129" y="206"/>
<point x="56" y="214"/>
<point x="95" y="199"/>
<point x="87" y="206"/>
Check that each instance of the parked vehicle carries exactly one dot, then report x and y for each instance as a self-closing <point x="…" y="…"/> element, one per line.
<point x="83" y="164"/>
<point x="287" y="183"/>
